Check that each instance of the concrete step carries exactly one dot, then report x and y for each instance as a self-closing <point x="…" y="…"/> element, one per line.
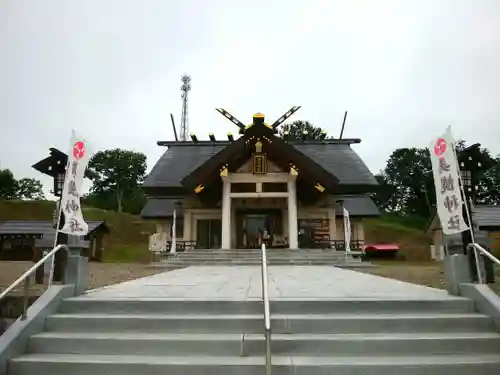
<point x="155" y="344"/>
<point x="289" y="262"/>
<point x="269" y="252"/>
<point x="258" y="255"/>
<point x="361" y="307"/>
<point x="165" y="265"/>
<point x="324" y="260"/>
<point x="318" y="324"/>
<point x="258" y="258"/>
<point x="74" y="364"/>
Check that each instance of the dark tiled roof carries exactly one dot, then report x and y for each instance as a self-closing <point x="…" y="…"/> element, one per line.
<point x="482" y="215"/>
<point x="177" y="162"/>
<point x="357" y="206"/>
<point x="24" y="227"/>
<point x="159" y="208"/>
<point x="47" y="242"/>
<point x="36" y="227"/>
<point x="340" y="160"/>
<point x="337" y="158"/>
<point x="487" y="216"/>
<point x="41" y="227"/>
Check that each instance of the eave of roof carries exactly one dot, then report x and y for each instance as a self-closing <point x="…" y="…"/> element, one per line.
<point x="346" y="141"/>
<point x="28" y="227"/>
<point x="161" y="208"/>
<point x="183" y="157"/>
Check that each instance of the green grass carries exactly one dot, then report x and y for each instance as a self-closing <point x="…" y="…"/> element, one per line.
<point x="413" y="242"/>
<point x="410" y="221"/>
<point x="128" y="238"/>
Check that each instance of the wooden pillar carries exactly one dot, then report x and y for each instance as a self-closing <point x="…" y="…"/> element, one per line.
<point x="293" y="239"/>
<point x="226" y="215"/>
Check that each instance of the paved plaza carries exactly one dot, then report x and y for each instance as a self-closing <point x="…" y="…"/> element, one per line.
<point x="285" y="282"/>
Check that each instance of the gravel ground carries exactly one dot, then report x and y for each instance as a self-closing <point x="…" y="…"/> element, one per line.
<point x="101" y="274"/>
<point x="429" y="273"/>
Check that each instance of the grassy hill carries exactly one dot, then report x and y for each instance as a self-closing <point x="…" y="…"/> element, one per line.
<point x="128" y="240"/>
<point x="413" y="242"/>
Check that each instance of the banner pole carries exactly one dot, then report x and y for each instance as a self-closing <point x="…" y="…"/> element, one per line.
<point x="59" y="210"/>
<point x="464" y="197"/>
<point x="469" y="216"/>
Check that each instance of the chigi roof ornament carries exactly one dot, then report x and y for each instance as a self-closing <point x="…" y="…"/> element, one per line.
<point x="258" y="118"/>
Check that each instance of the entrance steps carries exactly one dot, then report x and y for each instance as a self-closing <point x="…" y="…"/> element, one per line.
<point x="276" y="257"/>
<point x="345" y="337"/>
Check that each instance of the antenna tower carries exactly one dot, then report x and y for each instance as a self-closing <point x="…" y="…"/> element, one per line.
<point x="185" y="88"/>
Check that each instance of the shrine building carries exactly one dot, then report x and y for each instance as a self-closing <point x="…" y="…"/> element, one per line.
<point x="227" y="193"/>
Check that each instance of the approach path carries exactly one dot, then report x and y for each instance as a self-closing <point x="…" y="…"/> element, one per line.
<point x="285" y="282"/>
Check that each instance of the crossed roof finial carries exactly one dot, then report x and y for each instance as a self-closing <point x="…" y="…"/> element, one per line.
<point x="258" y="117"/>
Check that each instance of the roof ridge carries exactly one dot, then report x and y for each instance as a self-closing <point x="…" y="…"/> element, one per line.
<point x="343" y="141"/>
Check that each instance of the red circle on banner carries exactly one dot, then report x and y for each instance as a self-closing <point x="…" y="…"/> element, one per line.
<point x="79" y="150"/>
<point x="440" y="147"/>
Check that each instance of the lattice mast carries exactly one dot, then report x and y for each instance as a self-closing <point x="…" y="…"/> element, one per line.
<point x="185" y="88"/>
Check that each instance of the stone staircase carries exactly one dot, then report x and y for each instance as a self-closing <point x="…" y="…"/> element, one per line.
<point x="341" y="337"/>
<point x="252" y="257"/>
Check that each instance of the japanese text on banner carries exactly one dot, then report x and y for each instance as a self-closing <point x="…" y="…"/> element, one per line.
<point x="347" y="230"/>
<point x="78" y="159"/>
<point x="446" y="180"/>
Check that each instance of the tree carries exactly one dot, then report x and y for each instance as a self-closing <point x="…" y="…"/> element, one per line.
<point x="296" y="130"/>
<point x="29" y="188"/>
<point x="8" y="185"/>
<point x="407" y="182"/>
<point x="118" y="175"/>
<point x="25" y="188"/>
<point x="384" y="193"/>
<point x="488" y="189"/>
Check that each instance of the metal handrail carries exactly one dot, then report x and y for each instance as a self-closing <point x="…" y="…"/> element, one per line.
<point x="25" y="277"/>
<point x="267" y="313"/>
<point x="476" y="247"/>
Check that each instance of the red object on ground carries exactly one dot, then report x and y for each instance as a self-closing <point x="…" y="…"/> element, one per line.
<point x="382" y="247"/>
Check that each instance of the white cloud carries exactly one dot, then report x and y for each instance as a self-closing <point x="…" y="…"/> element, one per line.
<point x="111" y="69"/>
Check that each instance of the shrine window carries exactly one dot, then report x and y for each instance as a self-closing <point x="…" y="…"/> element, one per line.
<point x="243" y="188"/>
<point x="274" y="187"/>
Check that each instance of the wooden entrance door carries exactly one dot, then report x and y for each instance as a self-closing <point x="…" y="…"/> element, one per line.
<point x="209" y="233"/>
<point x="252" y="223"/>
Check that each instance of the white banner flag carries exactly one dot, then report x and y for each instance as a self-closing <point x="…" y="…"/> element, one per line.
<point x="446" y="179"/>
<point x="174" y="234"/>
<point x="347" y="231"/>
<point x="78" y="159"/>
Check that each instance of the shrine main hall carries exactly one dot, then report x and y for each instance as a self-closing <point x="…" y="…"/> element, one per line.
<point x="226" y="193"/>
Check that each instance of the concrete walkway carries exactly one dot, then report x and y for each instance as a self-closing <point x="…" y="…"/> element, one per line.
<point x="285" y="282"/>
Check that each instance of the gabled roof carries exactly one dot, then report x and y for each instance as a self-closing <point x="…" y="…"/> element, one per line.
<point x="358" y="206"/>
<point x="178" y="161"/>
<point x="181" y="158"/>
<point x="486" y="216"/>
<point x="39" y="229"/>
<point x="159" y="208"/>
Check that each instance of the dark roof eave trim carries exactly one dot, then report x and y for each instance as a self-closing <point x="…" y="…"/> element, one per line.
<point x="347" y="141"/>
<point x="359" y="215"/>
<point x="489" y="227"/>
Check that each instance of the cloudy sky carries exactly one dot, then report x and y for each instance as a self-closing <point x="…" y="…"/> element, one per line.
<point x="111" y="70"/>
